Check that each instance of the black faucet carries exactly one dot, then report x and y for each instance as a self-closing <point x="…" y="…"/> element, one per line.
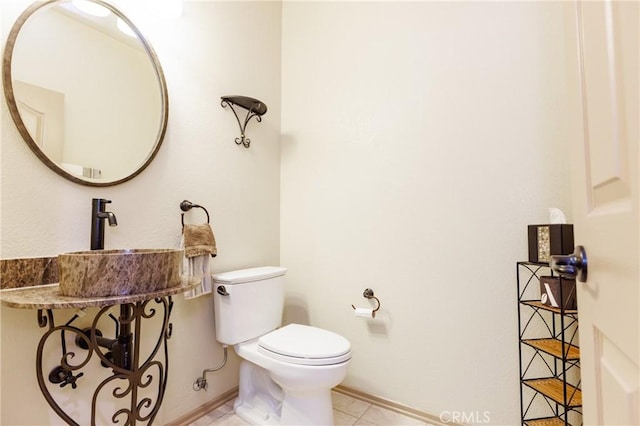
<point x="98" y="215"/>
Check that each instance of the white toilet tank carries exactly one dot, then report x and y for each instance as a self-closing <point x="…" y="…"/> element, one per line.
<point x="248" y="303"/>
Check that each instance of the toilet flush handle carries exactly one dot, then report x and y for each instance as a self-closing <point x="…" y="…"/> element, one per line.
<point x="222" y="291"/>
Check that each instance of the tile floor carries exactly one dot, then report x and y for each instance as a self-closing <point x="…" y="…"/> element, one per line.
<point x="346" y="411"/>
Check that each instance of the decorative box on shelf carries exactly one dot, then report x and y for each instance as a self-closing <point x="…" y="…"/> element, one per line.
<point x="548" y="240"/>
<point x="556" y="289"/>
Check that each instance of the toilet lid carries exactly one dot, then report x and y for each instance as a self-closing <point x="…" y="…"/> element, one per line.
<point x="302" y="344"/>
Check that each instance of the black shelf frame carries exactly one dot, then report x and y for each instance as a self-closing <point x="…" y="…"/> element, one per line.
<point x="556" y="353"/>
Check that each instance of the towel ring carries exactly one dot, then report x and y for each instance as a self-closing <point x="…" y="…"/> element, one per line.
<point x="368" y="294"/>
<point x="186" y="205"/>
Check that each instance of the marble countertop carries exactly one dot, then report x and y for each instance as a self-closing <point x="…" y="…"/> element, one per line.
<point x="48" y="297"/>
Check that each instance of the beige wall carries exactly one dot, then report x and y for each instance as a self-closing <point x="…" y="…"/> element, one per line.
<point x="204" y="56"/>
<point x="419" y="140"/>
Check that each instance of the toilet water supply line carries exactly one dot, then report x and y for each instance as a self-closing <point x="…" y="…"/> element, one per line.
<point x="201" y="382"/>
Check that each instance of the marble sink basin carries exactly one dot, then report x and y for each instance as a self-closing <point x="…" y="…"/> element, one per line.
<point x="118" y="272"/>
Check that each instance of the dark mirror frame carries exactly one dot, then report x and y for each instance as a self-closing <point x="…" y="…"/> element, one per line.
<point x="17" y="119"/>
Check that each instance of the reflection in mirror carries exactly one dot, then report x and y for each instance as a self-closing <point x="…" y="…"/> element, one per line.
<point x="85" y="90"/>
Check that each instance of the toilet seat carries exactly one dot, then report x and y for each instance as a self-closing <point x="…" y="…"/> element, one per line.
<point x="305" y="345"/>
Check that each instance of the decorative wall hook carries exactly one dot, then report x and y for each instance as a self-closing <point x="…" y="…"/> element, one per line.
<point x="254" y="107"/>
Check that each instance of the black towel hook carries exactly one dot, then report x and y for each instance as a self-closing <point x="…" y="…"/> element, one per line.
<point x="186" y="205"/>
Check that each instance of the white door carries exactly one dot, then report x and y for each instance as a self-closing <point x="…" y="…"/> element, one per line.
<point x="603" y="44"/>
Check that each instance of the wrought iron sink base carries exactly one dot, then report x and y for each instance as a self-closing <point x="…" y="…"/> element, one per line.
<point x="133" y="372"/>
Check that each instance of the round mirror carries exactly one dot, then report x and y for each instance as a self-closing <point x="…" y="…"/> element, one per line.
<point x="85" y="90"/>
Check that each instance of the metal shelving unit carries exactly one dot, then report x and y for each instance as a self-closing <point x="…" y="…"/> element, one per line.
<point x="549" y="354"/>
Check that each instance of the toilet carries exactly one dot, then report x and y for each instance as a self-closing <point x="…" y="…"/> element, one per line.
<point x="286" y="373"/>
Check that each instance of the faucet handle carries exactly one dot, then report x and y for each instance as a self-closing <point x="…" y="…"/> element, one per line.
<point x="71" y="379"/>
<point x="64" y="376"/>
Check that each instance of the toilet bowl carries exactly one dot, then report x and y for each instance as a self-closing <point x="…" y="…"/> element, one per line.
<point x="304" y="371"/>
<point x="286" y="374"/>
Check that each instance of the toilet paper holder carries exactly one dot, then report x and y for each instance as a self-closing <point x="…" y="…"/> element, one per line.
<point x="368" y="294"/>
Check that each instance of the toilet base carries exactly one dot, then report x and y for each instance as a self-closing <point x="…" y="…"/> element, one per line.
<point x="261" y="401"/>
<point x="302" y="410"/>
<point x="254" y="415"/>
<point x="259" y="398"/>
